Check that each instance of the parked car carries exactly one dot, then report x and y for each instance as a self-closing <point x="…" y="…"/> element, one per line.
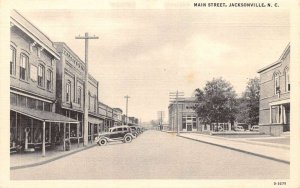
<point x="239" y="128"/>
<point x="255" y="128"/>
<point x="135" y="130"/>
<point x="244" y="125"/>
<point x="119" y="133"/>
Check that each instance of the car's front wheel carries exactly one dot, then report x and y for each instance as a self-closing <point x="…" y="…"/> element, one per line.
<point x="102" y="142"/>
<point x="127" y="139"/>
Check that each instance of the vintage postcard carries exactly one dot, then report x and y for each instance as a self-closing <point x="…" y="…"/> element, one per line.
<point x="150" y="93"/>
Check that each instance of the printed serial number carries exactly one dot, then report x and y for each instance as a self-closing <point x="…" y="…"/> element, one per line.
<point x="280" y="183"/>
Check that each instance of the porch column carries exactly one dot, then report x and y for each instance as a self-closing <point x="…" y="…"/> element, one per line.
<point x="270" y="114"/>
<point x="44" y="140"/>
<point x="50" y="132"/>
<point x="281" y="115"/>
<point x="92" y="132"/>
<point x="64" y="146"/>
<point x="31" y="131"/>
<point x="77" y="133"/>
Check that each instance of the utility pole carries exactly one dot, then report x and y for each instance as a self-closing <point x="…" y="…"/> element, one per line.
<point x="86" y="37"/>
<point x="177" y="96"/>
<point x="160" y="115"/>
<point x="126" y="97"/>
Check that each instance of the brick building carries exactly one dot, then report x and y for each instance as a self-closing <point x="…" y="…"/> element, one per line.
<point x="274" y="107"/>
<point x="70" y="92"/>
<point x="187" y="117"/>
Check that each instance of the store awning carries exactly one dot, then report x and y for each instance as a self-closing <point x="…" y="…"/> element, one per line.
<point x="43" y="115"/>
<point x="94" y="120"/>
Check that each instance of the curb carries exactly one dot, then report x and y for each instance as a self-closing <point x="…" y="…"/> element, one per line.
<point x="240" y="150"/>
<point x="248" y="142"/>
<point x="52" y="159"/>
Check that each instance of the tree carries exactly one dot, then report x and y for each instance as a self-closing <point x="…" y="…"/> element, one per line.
<point x="216" y="103"/>
<point x="249" y="103"/>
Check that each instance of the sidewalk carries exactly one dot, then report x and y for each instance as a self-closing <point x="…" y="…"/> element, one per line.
<point x="254" y="146"/>
<point x="24" y="160"/>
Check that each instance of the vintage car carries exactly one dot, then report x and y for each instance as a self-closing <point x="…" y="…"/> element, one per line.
<point x="119" y="133"/>
<point x="136" y="130"/>
<point x="239" y="128"/>
<point x="255" y="128"/>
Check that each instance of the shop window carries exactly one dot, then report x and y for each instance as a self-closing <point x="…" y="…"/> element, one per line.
<point x="31" y="103"/>
<point x="49" y="80"/>
<point x="68" y="91"/>
<point x="41" y="75"/>
<point x="23" y="66"/>
<point x="12" y="61"/>
<point x="275" y="114"/>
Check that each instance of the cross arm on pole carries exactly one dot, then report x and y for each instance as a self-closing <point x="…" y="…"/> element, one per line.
<point x="88" y="37"/>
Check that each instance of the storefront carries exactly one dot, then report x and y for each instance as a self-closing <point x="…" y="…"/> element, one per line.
<point x="94" y="128"/>
<point x="32" y="130"/>
<point x="280" y="114"/>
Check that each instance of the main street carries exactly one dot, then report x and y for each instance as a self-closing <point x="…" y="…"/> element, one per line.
<point x="157" y="155"/>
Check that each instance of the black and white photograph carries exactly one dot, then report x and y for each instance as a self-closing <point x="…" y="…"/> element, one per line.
<point x="150" y="94"/>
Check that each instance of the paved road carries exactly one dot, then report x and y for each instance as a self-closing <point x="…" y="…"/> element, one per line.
<point x="157" y="155"/>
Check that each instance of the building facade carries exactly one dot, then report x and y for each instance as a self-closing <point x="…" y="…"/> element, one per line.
<point x="47" y="89"/>
<point x="186" y="118"/>
<point x="117" y="116"/>
<point x="33" y="123"/>
<point x="274" y="107"/>
<point x="70" y="92"/>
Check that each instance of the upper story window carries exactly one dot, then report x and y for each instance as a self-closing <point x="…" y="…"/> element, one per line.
<point x="276" y="84"/>
<point x="89" y="100"/>
<point x="79" y="95"/>
<point x="41" y="75"/>
<point x="287" y="80"/>
<point x="12" y="61"/>
<point x="68" y="91"/>
<point x="95" y="102"/>
<point x="23" y="67"/>
<point x="49" y="80"/>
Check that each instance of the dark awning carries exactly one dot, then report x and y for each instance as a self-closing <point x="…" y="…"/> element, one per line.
<point x="43" y="115"/>
<point x="94" y="120"/>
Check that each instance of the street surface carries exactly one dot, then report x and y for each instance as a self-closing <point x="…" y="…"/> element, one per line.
<point x="157" y="155"/>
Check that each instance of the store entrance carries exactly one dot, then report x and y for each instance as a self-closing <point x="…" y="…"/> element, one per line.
<point x="286" y="120"/>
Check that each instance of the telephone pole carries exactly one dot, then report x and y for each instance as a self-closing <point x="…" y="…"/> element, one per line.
<point x="176" y="94"/>
<point x="161" y="115"/>
<point x="126" y="97"/>
<point x="86" y="37"/>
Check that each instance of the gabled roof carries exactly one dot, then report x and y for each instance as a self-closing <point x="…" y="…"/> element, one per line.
<point x="283" y="55"/>
<point x="33" y="32"/>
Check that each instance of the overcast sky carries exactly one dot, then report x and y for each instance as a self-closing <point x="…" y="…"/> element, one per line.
<point x="149" y="53"/>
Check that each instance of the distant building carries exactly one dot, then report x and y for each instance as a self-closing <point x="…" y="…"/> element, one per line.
<point x="187" y="117"/>
<point x="274" y="107"/>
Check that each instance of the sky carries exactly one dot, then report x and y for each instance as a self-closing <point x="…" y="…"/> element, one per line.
<point x="148" y="53"/>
